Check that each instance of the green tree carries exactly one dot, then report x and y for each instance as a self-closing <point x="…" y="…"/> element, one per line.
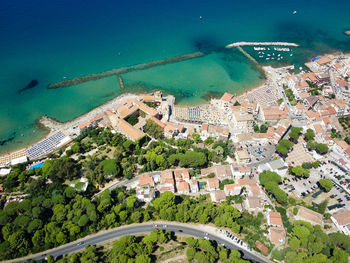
<point x="321" y="148"/>
<point x="190" y="253"/>
<point x="326" y="184"/>
<point x="309" y="135"/>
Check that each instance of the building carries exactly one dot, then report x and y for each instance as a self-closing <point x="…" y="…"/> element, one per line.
<point x="242" y="121"/>
<point x="277" y="235"/>
<point x="278" y="166"/>
<point x="274" y="219"/>
<point x="232" y="189"/>
<point x="182" y="174"/>
<point x="213" y="184"/>
<point x="342" y="221"/>
<point x="218" y="196"/>
<point x="145" y="195"/>
<point x="309" y="216"/>
<point x="242" y="156"/>
<point x="183" y="187"/>
<point x="146" y="180"/>
<point x="194" y="186"/>
<point x="129" y="131"/>
<point x="167" y="182"/>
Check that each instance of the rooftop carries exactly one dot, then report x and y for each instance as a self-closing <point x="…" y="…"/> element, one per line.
<point x="310" y="215"/>
<point x="343" y="218"/>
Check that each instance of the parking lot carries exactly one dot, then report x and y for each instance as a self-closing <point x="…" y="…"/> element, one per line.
<point x="298" y="186"/>
<point x="260" y="153"/>
<point x="301" y="187"/>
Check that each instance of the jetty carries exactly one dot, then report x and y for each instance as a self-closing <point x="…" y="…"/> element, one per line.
<point x="121" y="82"/>
<point x="283" y="44"/>
<point x="247" y="55"/>
<point x="123" y="70"/>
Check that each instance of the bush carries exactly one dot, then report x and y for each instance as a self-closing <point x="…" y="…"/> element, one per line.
<point x="295" y="211"/>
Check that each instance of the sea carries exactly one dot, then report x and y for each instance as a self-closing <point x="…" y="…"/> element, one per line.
<point x="43" y="42"/>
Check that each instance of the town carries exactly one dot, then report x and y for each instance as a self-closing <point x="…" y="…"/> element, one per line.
<point x="280" y="152"/>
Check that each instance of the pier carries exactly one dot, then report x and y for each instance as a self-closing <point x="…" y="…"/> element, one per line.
<point x="123" y="70"/>
<point x="283" y="44"/>
<point x="247" y="55"/>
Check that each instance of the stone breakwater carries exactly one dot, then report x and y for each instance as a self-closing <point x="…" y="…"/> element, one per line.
<point x="119" y="71"/>
<point x="284" y="44"/>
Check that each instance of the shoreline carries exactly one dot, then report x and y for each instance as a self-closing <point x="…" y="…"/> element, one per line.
<point x="48" y="123"/>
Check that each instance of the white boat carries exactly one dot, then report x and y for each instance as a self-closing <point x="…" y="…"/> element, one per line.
<point x="291" y="55"/>
<point x="269" y="55"/>
<point x="261" y="56"/>
<point x="294" y="12"/>
<point x="267" y="58"/>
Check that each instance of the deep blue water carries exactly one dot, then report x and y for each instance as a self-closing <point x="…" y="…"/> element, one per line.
<point x="49" y="40"/>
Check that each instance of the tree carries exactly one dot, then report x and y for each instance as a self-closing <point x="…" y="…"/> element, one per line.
<point x="326" y="184"/>
<point x="300" y="171"/>
<point x="282" y="150"/>
<point x="153" y="129"/>
<point x="110" y="167"/>
<point x="193" y="159"/>
<point x="190" y="253"/>
<point x="309" y="135"/>
<point x="321" y="148"/>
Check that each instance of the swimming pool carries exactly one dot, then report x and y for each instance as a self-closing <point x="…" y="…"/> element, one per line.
<point x="38" y="165"/>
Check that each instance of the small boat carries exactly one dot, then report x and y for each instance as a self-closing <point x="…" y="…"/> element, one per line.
<point x="267" y="58"/>
<point x="200" y="17"/>
<point x="294" y="12"/>
<point x="291" y="55"/>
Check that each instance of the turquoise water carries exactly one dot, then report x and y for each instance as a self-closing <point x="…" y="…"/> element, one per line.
<point x="50" y="40"/>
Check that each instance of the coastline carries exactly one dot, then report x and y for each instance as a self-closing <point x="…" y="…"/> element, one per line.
<point x="52" y="125"/>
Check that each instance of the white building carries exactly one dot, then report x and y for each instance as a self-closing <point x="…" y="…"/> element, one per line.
<point x="342" y="221"/>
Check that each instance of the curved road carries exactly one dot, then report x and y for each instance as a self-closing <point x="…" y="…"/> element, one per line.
<point x="112" y="234"/>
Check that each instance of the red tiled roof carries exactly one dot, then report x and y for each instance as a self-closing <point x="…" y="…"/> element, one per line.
<point x="261" y="247"/>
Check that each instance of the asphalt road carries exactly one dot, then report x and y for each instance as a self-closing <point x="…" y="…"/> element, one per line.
<point x="140" y="229"/>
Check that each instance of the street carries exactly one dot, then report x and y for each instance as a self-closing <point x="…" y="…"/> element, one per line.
<point x="112" y="234"/>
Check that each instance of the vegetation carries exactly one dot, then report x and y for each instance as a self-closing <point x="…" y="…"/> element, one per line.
<point x="309" y="135"/>
<point x="300" y="171"/>
<point x="270" y="181"/>
<point x="132" y="119"/>
<point x="335" y="134"/>
<point x="153" y="129"/>
<point x="309" y="243"/>
<point x="283" y="147"/>
<point x="308" y="165"/>
<point x="326" y="184"/>
<point x="262" y="129"/>
<point x="295" y="133"/>
<point x="290" y="96"/>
